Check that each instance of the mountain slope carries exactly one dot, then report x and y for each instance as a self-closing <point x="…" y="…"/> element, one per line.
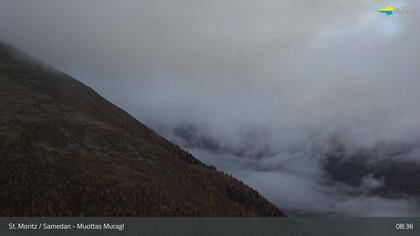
<point x="66" y="151"/>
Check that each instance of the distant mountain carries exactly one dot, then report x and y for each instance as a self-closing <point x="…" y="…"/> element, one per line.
<point x="66" y="151"/>
<point x="387" y="170"/>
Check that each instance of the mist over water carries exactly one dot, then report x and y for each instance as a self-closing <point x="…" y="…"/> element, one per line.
<point x="264" y="90"/>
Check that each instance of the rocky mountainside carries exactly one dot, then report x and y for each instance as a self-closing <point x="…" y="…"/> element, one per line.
<point x="66" y="151"/>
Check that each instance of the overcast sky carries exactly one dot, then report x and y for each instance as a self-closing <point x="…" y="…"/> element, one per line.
<point x="280" y="70"/>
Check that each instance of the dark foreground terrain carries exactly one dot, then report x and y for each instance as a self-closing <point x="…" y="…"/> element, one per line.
<point x="66" y="151"/>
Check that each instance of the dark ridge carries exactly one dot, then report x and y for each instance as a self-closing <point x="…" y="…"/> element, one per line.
<point x="66" y="151"/>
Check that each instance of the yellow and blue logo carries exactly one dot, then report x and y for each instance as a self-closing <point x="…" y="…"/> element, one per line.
<point x="387" y="10"/>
